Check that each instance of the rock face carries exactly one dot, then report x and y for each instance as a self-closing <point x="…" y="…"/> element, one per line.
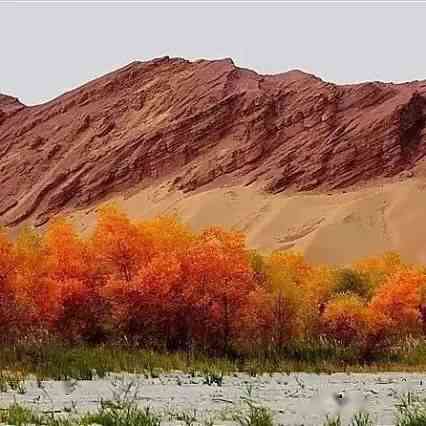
<point x="202" y="123"/>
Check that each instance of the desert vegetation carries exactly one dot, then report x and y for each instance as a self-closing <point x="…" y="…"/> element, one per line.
<point x="156" y="285"/>
<point x="409" y="411"/>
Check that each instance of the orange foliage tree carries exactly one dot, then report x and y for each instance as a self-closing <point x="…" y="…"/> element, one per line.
<point x="8" y="313"/>
<point x="218" y="279"/>
<point x="379" y="268"/>
<point x="267" y="322"/>
<point x="144" y="308"/>
<point x="32" y="286"/>
<point x="399" y="300"/>
<point x="344" y="319"/>
<point x="118" y="245"/>
<point x="76" y="308"/>
<point x="156" y="283"/>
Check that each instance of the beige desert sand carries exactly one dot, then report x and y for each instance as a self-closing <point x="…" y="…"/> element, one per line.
<point x="335" y="228"/>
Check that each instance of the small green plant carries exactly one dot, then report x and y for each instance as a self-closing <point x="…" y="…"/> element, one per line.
<point x="17" y="415"/>
<point x="333" y="421"/>
<point x="121" y="415"/>
<point x="256" y="416"/>
<point x="411" y="411"/>
<point x="12" y="381"/>
<point x="124" y="392"/>
<point x="189" y="418"/>
<point x="253" y="415"/>
<point x="19" y="387"/>
<point x="249" y="390"/>
<point x="361" y="419"/>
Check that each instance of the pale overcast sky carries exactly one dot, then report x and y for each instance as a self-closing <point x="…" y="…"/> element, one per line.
<point x="49" y="48"/>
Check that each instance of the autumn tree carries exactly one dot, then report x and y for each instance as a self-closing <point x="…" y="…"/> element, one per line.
<point x="378" y="268"/>
<point x="77" y="309"/>
<point x="7" y="262"/>
<point x="119" y="246"/>
<point x="219" y="278"/>
<point x="34" y="292"/>
<point x="147" y="304"/>
<point x="8" y="312"/>
<point x="66" y="252"/>
<point x="344" y="319"/>
<point x="286" y="274"/>
<point x="268" y="322"/>
<point x="287" y="267"/>
<point x="258" y="265"/>
<point x="317" y="290"/>
<point x="399" y="300"/>
<point x="165" y="234"/>
<point x="145" y="308"/>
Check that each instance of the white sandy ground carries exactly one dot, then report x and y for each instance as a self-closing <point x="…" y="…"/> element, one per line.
<point x="294" y="399"/>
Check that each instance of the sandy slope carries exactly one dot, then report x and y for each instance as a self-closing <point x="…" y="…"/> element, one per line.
<point x="328" y="227"/>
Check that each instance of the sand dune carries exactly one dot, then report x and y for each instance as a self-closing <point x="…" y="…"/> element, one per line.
<point x="332" y="227"/>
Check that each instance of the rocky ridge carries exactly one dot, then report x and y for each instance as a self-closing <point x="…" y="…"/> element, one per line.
<point x="202" y="124"/>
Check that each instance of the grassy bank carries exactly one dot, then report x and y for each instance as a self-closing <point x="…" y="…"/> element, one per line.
<point x="57" y="361"/>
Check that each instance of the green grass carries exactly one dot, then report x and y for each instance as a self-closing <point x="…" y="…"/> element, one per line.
<point x="84" y="363"/>
<point x="411" y="411"/>
<point x="361" y="419"/>
<point x="59" y="362"/>
<point x="17" y="415"/>
<point x="333" y="421"/>
<point x="255" y="416"/>
<point x="127" y="415"/>
<point x="118" y="415"/>
<point x="13" y="381"/>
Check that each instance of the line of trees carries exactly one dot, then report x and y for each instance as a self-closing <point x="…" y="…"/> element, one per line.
<point x="157" y="284"/>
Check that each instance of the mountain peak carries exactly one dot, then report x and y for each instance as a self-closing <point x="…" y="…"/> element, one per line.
<point x="9" y="106"/>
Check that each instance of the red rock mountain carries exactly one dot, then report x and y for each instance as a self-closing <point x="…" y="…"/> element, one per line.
<point x="200" y="124"/>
